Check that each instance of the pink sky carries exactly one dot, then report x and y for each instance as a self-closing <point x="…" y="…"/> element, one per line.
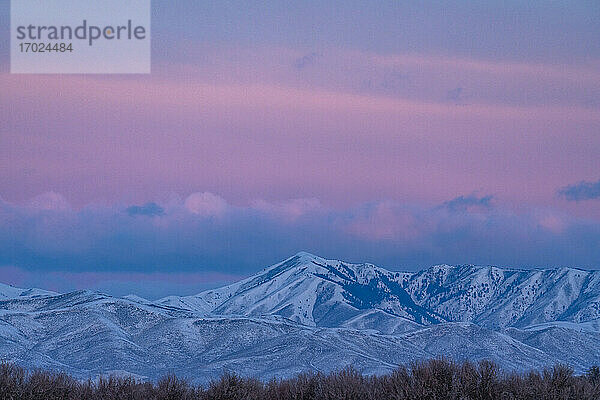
<point x="437" y="132"/>
<point x="105" y="139"/>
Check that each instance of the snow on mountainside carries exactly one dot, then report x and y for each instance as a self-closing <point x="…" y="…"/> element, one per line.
<point x="313" y="291"/>
<point x="309" y="313"/>
<point x="495" y="297"/>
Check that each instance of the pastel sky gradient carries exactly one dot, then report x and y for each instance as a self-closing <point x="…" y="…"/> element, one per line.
<point x="397" y="133"/>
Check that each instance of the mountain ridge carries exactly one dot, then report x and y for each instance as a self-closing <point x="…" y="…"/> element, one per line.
<point x="310" y="313"/>
<point x="441" y="293"/>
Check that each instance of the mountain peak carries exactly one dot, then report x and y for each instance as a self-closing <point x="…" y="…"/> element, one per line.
<point x="304" y="257"/>
<point x="305" y="254"/>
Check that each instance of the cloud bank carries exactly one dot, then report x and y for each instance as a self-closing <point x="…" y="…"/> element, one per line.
<point x="205" y="235"/>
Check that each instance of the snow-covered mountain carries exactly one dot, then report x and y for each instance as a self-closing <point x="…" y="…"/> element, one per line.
<point x="313" y="291"/>
<point x="309" y="313"/>
<point x="316" y="292"/>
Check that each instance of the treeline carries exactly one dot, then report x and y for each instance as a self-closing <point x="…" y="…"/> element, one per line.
<point x="433" y="380"/>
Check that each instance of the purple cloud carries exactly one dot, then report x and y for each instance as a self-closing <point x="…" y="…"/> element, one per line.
<point x="462" y="203"/>
<point x="455" y="95"/>
<point x="581" y="191"/>
<point x="306" y="60"/>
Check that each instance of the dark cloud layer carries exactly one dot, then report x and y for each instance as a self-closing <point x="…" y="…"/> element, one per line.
<point x="462" y="203"/>
<point x="240" y="240"/>
<point x="581" y="191"/>
<point x="148" y="209"/>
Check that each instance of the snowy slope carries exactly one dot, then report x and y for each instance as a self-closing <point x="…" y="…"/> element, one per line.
<point x="313" y="291"/>
<point x="96" y="335"/>
<point x="499" y="298"/>
<point x="11" y="292"/>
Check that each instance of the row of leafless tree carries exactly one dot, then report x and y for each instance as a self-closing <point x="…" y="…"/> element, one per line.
<point x="434" y="379"/>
